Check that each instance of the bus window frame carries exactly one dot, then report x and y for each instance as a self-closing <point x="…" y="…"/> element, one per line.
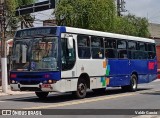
<point x="123" y="49"/>
<point x="101" y="47"/>
<point x="74" y="47"/>
<point x="88" y="46"/>
<point x="114" y="49"/>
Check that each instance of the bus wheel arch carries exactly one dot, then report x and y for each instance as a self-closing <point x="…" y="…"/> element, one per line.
<point x="82" y="85"/>
<point x="132" y="87"/>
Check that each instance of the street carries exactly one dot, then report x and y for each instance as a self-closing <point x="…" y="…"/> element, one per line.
<point x="147" y="97"/>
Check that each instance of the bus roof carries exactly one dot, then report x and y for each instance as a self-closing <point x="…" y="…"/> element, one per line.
<point x="96" y="33"/>
<point x="106" y="34"/>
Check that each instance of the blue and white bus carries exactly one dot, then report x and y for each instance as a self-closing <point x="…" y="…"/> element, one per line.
<point x="66" y="59"/>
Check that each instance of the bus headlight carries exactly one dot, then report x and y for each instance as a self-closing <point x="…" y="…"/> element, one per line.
<point x="13" y="82"/>
<point x="50" y="81"/>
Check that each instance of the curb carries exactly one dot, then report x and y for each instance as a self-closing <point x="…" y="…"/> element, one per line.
<point x="14" y="93"/>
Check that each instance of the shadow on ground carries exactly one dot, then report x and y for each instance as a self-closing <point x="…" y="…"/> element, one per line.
<point x="66" y="97"/>
<point x="152" y="93"/>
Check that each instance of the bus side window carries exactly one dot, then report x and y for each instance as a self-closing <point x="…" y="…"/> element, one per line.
<point x="122" y="49"/>
<point x="68" y="57"/>
<point x="151" y="51"/>
<point x="97" y="47"/>
<point x="83" y="47"/>
<point x="142" y="51"/>
<point x="110" y="48"/>
<point x="132" y="49"/>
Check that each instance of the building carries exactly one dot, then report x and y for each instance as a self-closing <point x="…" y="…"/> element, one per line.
<point x="50" y="22"/>
<point x="154" y="30"/>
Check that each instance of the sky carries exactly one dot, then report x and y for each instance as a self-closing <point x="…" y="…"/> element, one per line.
<point x="141" y="8"/>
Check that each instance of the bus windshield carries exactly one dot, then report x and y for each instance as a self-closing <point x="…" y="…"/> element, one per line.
<point x="37" y="54"/>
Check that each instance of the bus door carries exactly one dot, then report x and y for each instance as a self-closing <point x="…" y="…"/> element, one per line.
<point x="68" y="59"/>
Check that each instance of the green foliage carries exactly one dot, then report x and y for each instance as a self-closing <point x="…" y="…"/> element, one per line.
<point x="88" y="14"/>
<point x="24" y="2"/>
<point x="99" y="15"/>
<point x="11" y="6"/>
<point x="132" y="25"/>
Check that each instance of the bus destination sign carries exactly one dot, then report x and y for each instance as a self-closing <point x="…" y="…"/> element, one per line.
<point x="36" y="31"/>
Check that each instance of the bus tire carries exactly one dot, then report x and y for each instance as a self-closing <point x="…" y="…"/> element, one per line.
<point x="42" y="95"/>
<point x="81" y="89"/>
<point x="133" y="84"/>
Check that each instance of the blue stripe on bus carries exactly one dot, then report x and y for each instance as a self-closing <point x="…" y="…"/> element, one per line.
<point x="61" y="29"/>
<point x="36" y="76"/>
<point x="125" y="68"/>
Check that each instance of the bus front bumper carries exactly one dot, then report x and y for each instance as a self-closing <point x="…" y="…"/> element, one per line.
<point x="38" y="87"/>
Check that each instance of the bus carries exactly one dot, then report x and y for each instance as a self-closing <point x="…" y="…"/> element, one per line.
<point x="67" y="59"/>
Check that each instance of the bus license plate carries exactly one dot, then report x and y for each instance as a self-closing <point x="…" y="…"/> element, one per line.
<point x="46" y="86"/>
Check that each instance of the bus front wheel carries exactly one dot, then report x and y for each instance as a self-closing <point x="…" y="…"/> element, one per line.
<point x="81" y="89"/>
<point x="42" y="95"/>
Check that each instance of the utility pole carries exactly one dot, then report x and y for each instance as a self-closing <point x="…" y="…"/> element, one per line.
<point x="120" y="7"/>
<point x="3" y="46"/>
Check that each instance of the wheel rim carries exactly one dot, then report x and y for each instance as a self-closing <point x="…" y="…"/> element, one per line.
<point x="81" y="89"/>
<point x="134" y="83"/>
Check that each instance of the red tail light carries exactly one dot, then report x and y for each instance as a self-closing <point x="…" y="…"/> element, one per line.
<point x="46" y="76"/>
<point x="13" y="76"/>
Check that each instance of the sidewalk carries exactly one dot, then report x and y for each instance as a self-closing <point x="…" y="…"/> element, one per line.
<point x="9" y="92"/>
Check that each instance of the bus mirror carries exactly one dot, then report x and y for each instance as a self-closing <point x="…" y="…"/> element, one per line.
<point x="70" y="42"/>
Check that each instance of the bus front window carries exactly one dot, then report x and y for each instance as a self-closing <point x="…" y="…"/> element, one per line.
<point x="37" y="54"/>
<point x="20" y="56"/>
<point x="44" y="54"/>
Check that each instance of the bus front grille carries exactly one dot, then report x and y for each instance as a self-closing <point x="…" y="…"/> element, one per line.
<point x="30" y="82"/>
<point x="30" y="89"/>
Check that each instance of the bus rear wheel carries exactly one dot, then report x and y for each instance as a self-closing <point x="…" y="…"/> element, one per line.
<point x="81" y="89"/>
<point x="133" y="84"/>
<point x="42" y="95"/>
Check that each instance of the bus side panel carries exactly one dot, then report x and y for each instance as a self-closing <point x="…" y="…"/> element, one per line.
<point x="152" y="70"/>
<point x="95" y="69"/>
<point x="119" y="72"/>
<point x="141" y="68"/>
<point x="145" y="73"/>
<point x="122" y="69"/>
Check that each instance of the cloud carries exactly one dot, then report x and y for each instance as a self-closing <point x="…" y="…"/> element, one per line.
<point x="145" y="8"/>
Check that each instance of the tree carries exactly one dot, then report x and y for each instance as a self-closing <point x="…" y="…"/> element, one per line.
<point x="88" y="14"/>
<point x="99" y="15"/>
<point x="13" y="20"/>
<point x="132" y="25"/>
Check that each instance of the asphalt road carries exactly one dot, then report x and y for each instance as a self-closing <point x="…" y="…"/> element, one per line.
<point x="147" y="97"/>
